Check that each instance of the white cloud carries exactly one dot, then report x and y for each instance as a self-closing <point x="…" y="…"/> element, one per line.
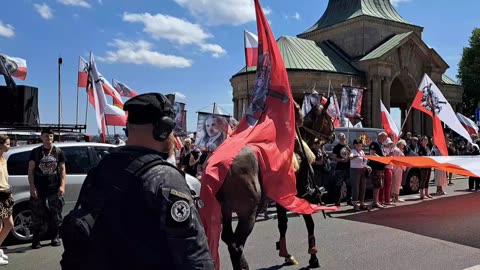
<point x="215" y="49"/>
<point x="140" y="52"/>
<point x="175" y="30"/>
<point x="6" y="30"/>
<point x="216" y="12"/>
<point x="397" y="2"/>
<point x="77" y="3"/>
<point x="179" y="95"/>
<point x="44" y="10"/>
<point x="297" y="16"/>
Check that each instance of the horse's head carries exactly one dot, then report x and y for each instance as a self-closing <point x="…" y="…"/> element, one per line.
<point x="318" y="124"/>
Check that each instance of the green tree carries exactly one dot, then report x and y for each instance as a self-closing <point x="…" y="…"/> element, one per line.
<point x="469" y="74"/>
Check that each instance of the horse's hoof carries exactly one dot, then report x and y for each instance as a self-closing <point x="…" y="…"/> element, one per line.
<point x="313" y="263"/>
<point x="290" y="260"/>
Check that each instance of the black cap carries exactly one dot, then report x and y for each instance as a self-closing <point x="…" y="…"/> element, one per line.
<point x="148" y="108"/>
<point x="46" y="130"/>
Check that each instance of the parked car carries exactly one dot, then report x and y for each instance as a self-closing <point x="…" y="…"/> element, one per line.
<point x="411" y="177"/>
<point x="80" y="158"/>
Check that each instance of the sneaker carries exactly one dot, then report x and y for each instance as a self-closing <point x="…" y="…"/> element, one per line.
<point x="56" y="242"/>
<point x="36" y="244"/>
<point x="3" y="261"/>
<point x="2" y="255"/>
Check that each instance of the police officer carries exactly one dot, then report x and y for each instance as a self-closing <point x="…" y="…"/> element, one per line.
<point x="46" y="176"/>
<point x="155" y="224"/>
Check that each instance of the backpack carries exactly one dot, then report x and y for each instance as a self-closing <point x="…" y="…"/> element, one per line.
<point x="78" y="225"/>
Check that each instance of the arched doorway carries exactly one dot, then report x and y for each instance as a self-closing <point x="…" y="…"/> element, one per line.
<point x="402" y="92"/>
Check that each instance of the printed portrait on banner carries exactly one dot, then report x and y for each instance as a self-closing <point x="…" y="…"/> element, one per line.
<point x="351" y="103"/>
<point x="212" y="130"/>
<point x="180" y="117"/>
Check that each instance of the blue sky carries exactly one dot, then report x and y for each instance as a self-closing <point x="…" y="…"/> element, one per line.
<point x="191" y="47"/>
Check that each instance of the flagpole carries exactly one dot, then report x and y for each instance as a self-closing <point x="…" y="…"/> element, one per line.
<point x="60" y="61"/>
<point x="404" y="122"/>
<point x="246" y="67"/>
<point x="76" y="115"/>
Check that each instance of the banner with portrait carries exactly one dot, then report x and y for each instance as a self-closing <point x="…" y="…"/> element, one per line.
<point x="351" y="103"/>
<point x="180" y="119"/>
<point x="212" y="130"/>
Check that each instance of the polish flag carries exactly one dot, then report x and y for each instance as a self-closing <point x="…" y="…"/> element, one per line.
<point x="251" y="49"/>
<point x="82" y="73"/>
<point x="109" y="90"/>
<point x="114" y="116"/>
<point x="468" y="124"/>
<point x="17" y="67"/>
<point x="461" y="165"/>
<point x="387" y="121"/>
<point x="123" y="89"/>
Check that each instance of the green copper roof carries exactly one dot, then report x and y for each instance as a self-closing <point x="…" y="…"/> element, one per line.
<point x="390" y="44"/>
<point x="343" y="10"/>
<point x="448" y="80"/>
<point x="302" y="54"/>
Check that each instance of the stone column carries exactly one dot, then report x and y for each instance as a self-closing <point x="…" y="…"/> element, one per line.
<point x="367" y="105"/>
<point x="386" y="94"/>
<point x="375" y="106"/>
<point x="235" y="108"/>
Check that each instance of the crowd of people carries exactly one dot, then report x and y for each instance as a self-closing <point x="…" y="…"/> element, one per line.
<point x="353" y="167"/>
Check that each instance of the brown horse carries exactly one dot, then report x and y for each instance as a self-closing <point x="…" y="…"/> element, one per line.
<point x="241" y="191"/>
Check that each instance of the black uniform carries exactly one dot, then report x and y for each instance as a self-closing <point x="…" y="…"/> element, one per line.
<point x="148" y="219"/>
<point x="154" y="225"/>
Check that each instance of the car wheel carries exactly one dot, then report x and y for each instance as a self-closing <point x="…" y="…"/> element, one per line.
<point x="412" y="184"/>
<point x="22" y="222"/>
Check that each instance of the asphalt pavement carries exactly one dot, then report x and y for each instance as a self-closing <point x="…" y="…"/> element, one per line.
<point x="440" y="233"/>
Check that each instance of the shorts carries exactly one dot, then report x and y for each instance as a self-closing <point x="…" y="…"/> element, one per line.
<point x="6" y="207"/>
<point x="377" y="179"/>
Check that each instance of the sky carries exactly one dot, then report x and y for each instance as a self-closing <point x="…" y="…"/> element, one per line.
<point x="188" y="47"/>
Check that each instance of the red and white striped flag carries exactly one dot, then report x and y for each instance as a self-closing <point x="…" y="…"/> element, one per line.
<point x="387" y="121"/>
<point x="468" y="124"/>
<point x="109" y="90"/>
<point x="82" y="73"/>
<point x="251" y="49"/>
<point x="99" y="99"/>
<point x="123" y="89"/>
<point x="17" y="67"/>
<point x="114" y="116"/>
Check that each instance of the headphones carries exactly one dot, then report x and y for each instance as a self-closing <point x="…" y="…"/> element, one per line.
<point x="162" y="128"/>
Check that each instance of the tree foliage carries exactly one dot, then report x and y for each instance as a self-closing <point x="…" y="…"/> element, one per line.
<point x="469" y="74"/>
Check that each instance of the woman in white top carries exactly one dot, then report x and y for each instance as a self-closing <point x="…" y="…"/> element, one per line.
<point x="358" y="169"/>
<point x="6" y="198"/>
<point x="398" y="171"/>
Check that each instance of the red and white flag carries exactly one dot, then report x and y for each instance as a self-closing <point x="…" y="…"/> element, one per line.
<point x="114" y="116"/>
<point x="109" y="90"/>
<point x="17" y="67"/>
<point x="123" y="89"/>
<point x="461" y="165"/>
<point x="468" y="124"/>
<point x="430" y="100"/>
<point x="334" y="110"/>
<point x="387" y="121"/>
<point x="251" y="49"/>
<point x="99" y="98"/>
<point x="82" y="73"/>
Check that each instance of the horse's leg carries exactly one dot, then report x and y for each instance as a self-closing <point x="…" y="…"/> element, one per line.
<point x="312" y="248"/>
<point x="282" y="243"/>
<point x="228" y="236"/>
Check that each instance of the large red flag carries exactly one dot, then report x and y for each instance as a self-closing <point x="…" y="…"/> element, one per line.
<point x="268" y="128"/>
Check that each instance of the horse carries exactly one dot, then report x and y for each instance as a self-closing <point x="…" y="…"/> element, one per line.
<point x="302" y="160"/>
<point x="241" y="191"/>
